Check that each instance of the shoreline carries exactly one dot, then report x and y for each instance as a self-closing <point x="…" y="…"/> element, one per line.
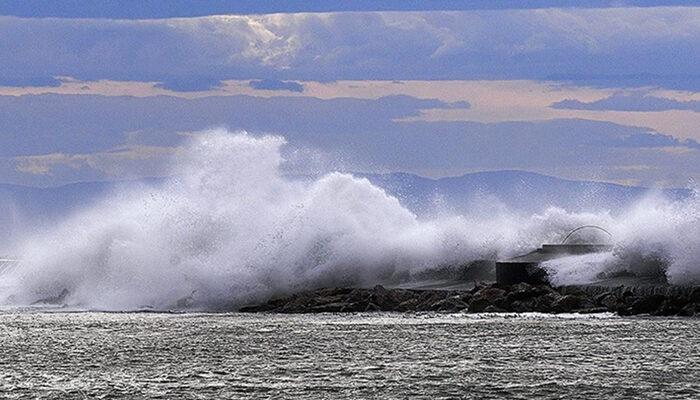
<point x="681" y="301"/>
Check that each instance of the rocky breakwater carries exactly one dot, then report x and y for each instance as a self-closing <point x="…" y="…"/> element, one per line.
<point x="493" y="298"/>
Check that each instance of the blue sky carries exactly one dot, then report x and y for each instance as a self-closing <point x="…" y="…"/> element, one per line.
<point x="149" y="9"/>
<point x="605" y="90"/>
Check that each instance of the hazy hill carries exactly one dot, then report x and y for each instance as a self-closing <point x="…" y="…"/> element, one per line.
<point x="518" y="190"/>
<point x="521" y="191"/>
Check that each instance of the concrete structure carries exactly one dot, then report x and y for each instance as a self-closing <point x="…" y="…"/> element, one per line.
<point x="526" y="268"/>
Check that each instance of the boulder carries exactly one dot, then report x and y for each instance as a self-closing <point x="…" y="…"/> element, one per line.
<point x="688" y="310"/>
<point x="254" y="308"/>
<point x="571" y="303"/>
<point x="412" y="304"/>
<point x="521" y="306"/>
<point x="477" y="287"/>
<point x="388" y="300"/>
<point x="609" y="301"/>
<point x="329" y="307"/>
<point x="671" y="306"/>
<point x="478" y="305"/>
<point x="270" y="305"/>
<point x="491" y="294"/>
<point x="358" y="306"/>
<point x="465" y="297"/>
<point x="521" y="297"/>
<point x="593" y="310"/>
<point x="485" y="297"/>
<point x="54" y="300"/>
<point x="322" y="300"/>
<point x="522" y="291"/>
<point x="325" y="292"/>
<point x="450" y="304"/>
<point x="545" y="303"/>
<point x="299" y="303"/>
<point x="646" y="304"/>
<point x="428" y="298"/>
<point x="695" y="295"/>
<point x="357" y="295"/>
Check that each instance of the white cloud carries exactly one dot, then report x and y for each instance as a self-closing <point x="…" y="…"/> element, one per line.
<point x="118" y="162"/>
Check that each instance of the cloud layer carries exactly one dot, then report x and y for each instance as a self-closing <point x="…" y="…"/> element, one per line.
<point x="81" y="137"/>
<point x="614" y="46"/>
<point x="634" y="101"/>
<point x="574" y="92"/>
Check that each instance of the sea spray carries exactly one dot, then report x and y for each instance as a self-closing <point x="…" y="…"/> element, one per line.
<point x="656" y="236"/>
<point x="229" y="229"/>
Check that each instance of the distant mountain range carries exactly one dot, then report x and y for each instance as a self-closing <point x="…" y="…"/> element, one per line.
<point x="516" y="190"/>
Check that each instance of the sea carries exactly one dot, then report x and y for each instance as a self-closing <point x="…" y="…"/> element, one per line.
<point x="86" y="355"/>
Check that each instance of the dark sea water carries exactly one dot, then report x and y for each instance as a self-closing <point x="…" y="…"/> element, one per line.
<point x="197" y="356"/>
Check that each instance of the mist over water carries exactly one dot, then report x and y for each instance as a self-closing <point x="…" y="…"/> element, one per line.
<point x="230" y="229"/>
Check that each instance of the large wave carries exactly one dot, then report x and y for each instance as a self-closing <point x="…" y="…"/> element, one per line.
<point x="229" y="229"/>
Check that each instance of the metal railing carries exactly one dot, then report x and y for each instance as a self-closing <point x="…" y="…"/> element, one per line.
<point x="585" y="227"/>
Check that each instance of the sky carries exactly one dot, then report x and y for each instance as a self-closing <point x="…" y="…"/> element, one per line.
<point x="599" y="90"/>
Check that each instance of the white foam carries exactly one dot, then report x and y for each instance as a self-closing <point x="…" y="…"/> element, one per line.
<point x="230" y="229"/>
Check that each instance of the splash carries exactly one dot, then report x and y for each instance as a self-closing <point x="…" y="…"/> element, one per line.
<point x="656" y="236"/>
<point x="230" y="229"/>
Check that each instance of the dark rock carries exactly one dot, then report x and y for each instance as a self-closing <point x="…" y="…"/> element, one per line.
<point x="688" y="310"/>
<point x="609" y="301"/>
<point x="546" y="289"/>
<point x="545" y="303"/>
<point x="55" y="300"/>
<point x="624" y="311"/>
<point x="428" y="298"/>
<point x="254" y="308"/>
<point x="483" y="298"/>
<point x="450" y="304"/>
<point x="297" y="304"/>
<point x="593" y="310"/>
<point x="477" y="287"/>
<point x="409" y="305"/>
<point x="321" y="300"/>
<point x="695" y="295"/>
<point x="330" y="307"/>
<point x="521" y="306"/>
<point x="491" y="294"/>
<point x="271" y="305"/>
<point x="667" y="308"/>
<point x="522" y="291"/>
<point x="627" y="294"/>
<point x="344" y="291"/>
<point x="571" y="303"/>
<point x="387" y="300"/>
<point x="478" y="305"/>
<point x="465" y="297"/>
<point x="357" y="295"/>
<point x="523" y="297"/>
<point x="646" y="304"/>
<point x="600" y="297"/>
<point x="671" y="306"/>
<point x="354" y="307"/>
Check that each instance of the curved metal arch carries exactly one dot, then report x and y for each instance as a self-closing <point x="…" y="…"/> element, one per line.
<point x="584" y="227"/>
